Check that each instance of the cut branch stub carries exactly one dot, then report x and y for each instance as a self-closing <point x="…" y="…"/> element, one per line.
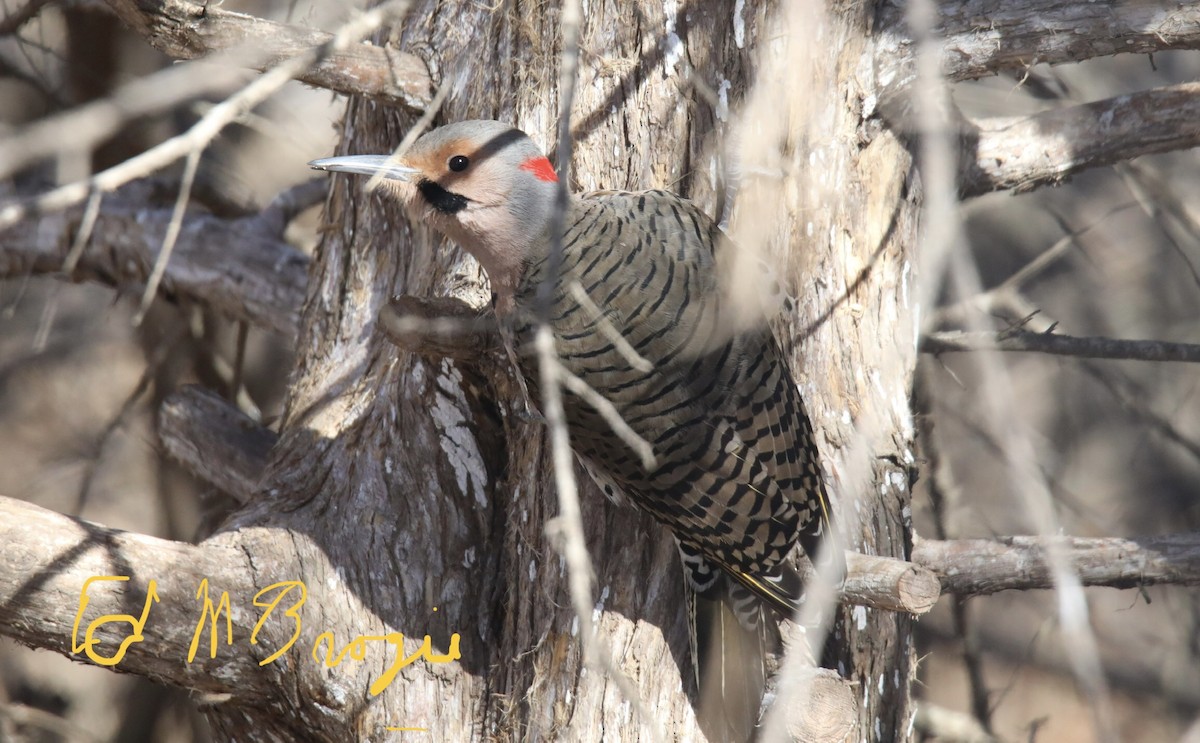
<point x="440" y="327"/>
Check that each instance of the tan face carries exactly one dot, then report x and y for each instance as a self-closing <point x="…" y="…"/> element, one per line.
<point x="483" y="184"/>
<point x="464" y="168"/>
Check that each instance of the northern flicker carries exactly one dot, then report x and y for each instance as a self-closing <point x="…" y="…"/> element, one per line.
<point x="736" y="472"/>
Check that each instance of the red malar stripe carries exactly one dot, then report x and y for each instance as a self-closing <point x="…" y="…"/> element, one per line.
<point x="541" y="169"/>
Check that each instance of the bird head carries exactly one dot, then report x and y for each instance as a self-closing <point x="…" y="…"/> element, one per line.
<point x="483" y="184"/>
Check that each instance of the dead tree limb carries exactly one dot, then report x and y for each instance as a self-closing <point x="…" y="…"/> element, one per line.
<point x="232" y="266"/>
<point x="1091" y="347"/>
<point x="1025" y="152"/>
<point x="982" y="566"/>
<point x="985" y="37"/>
<point x="215" y="440"/>
<point x="49" y="559"/>
<point x="187" y="30"/>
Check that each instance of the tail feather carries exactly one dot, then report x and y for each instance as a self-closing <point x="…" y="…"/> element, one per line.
<point x="728" y="660"/>
<point x="781" y="591"/>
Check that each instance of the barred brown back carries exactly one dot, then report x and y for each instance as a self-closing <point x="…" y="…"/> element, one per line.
<point x="737" y="473"/>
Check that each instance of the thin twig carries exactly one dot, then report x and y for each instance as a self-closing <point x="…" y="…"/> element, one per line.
<point x="207" y="128"/>
<point x="1137" y="404"/>
<point x="1029" y="482"/>
<point x="162" y="352"/>
<point x="86" y="226"/>
<point x="12" y="23"/>
<point x="568" y="525"/>
<point x="1091" y="347"/>
<point x="164" y="254"/>
<point x="239" y="360"/>
<point x="1158" y="201"/>
<point x="1006" y="292"/>
<point x="83" y="128"/>
<point x="415" y="131"/>
<point x="941" y="491"/>
<point x="635" y="359"/>
<point x="610" y="414"/>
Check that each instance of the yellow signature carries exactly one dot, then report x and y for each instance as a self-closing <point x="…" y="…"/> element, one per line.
<point x="269" y="600"/>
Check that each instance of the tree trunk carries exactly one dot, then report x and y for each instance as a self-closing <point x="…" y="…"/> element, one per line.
<point x="411" y="496"/>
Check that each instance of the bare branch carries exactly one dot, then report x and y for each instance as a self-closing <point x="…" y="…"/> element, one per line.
<point x="187" y="30"/>
<point x="950" y="726"/>
<point x="984" y="37"/>
<point x="1022" y="153"/>
<point x="13" y="22"/>
<point x="290" y="203"/>
<point x="232" y="266"/>
<point x="199" y="427"/>
<point x="48" y="560"/>
<point x="208" y="127"/>
<point x="84" y="127"/>
<point x="982" y="566"/>
<point x="215" y="441"/>
<point x="1060" y="345"/>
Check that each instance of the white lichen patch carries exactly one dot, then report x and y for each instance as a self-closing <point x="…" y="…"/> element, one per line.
<point x="739" y="25"/>
<point x="458" y="441"/>
<point x="673" y="50"/>
<point x="599" y="608"/>
<point x="723" y="100"/>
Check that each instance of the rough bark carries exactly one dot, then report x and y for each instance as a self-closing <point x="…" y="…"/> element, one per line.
<point x="447" y="486"/>
<point x="984" y="37"/>
<point x="411" y="495"/>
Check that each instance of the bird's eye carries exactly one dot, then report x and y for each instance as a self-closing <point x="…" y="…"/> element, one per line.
<point x="458" y="163"/>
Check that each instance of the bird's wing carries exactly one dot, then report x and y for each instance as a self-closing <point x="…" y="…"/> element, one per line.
<point x="736" y="474"/>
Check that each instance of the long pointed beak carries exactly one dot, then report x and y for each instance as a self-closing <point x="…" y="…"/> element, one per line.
<point x="383" y="166"/>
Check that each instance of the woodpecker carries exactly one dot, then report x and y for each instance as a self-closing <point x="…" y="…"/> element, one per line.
<point x="735" y="473"/>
